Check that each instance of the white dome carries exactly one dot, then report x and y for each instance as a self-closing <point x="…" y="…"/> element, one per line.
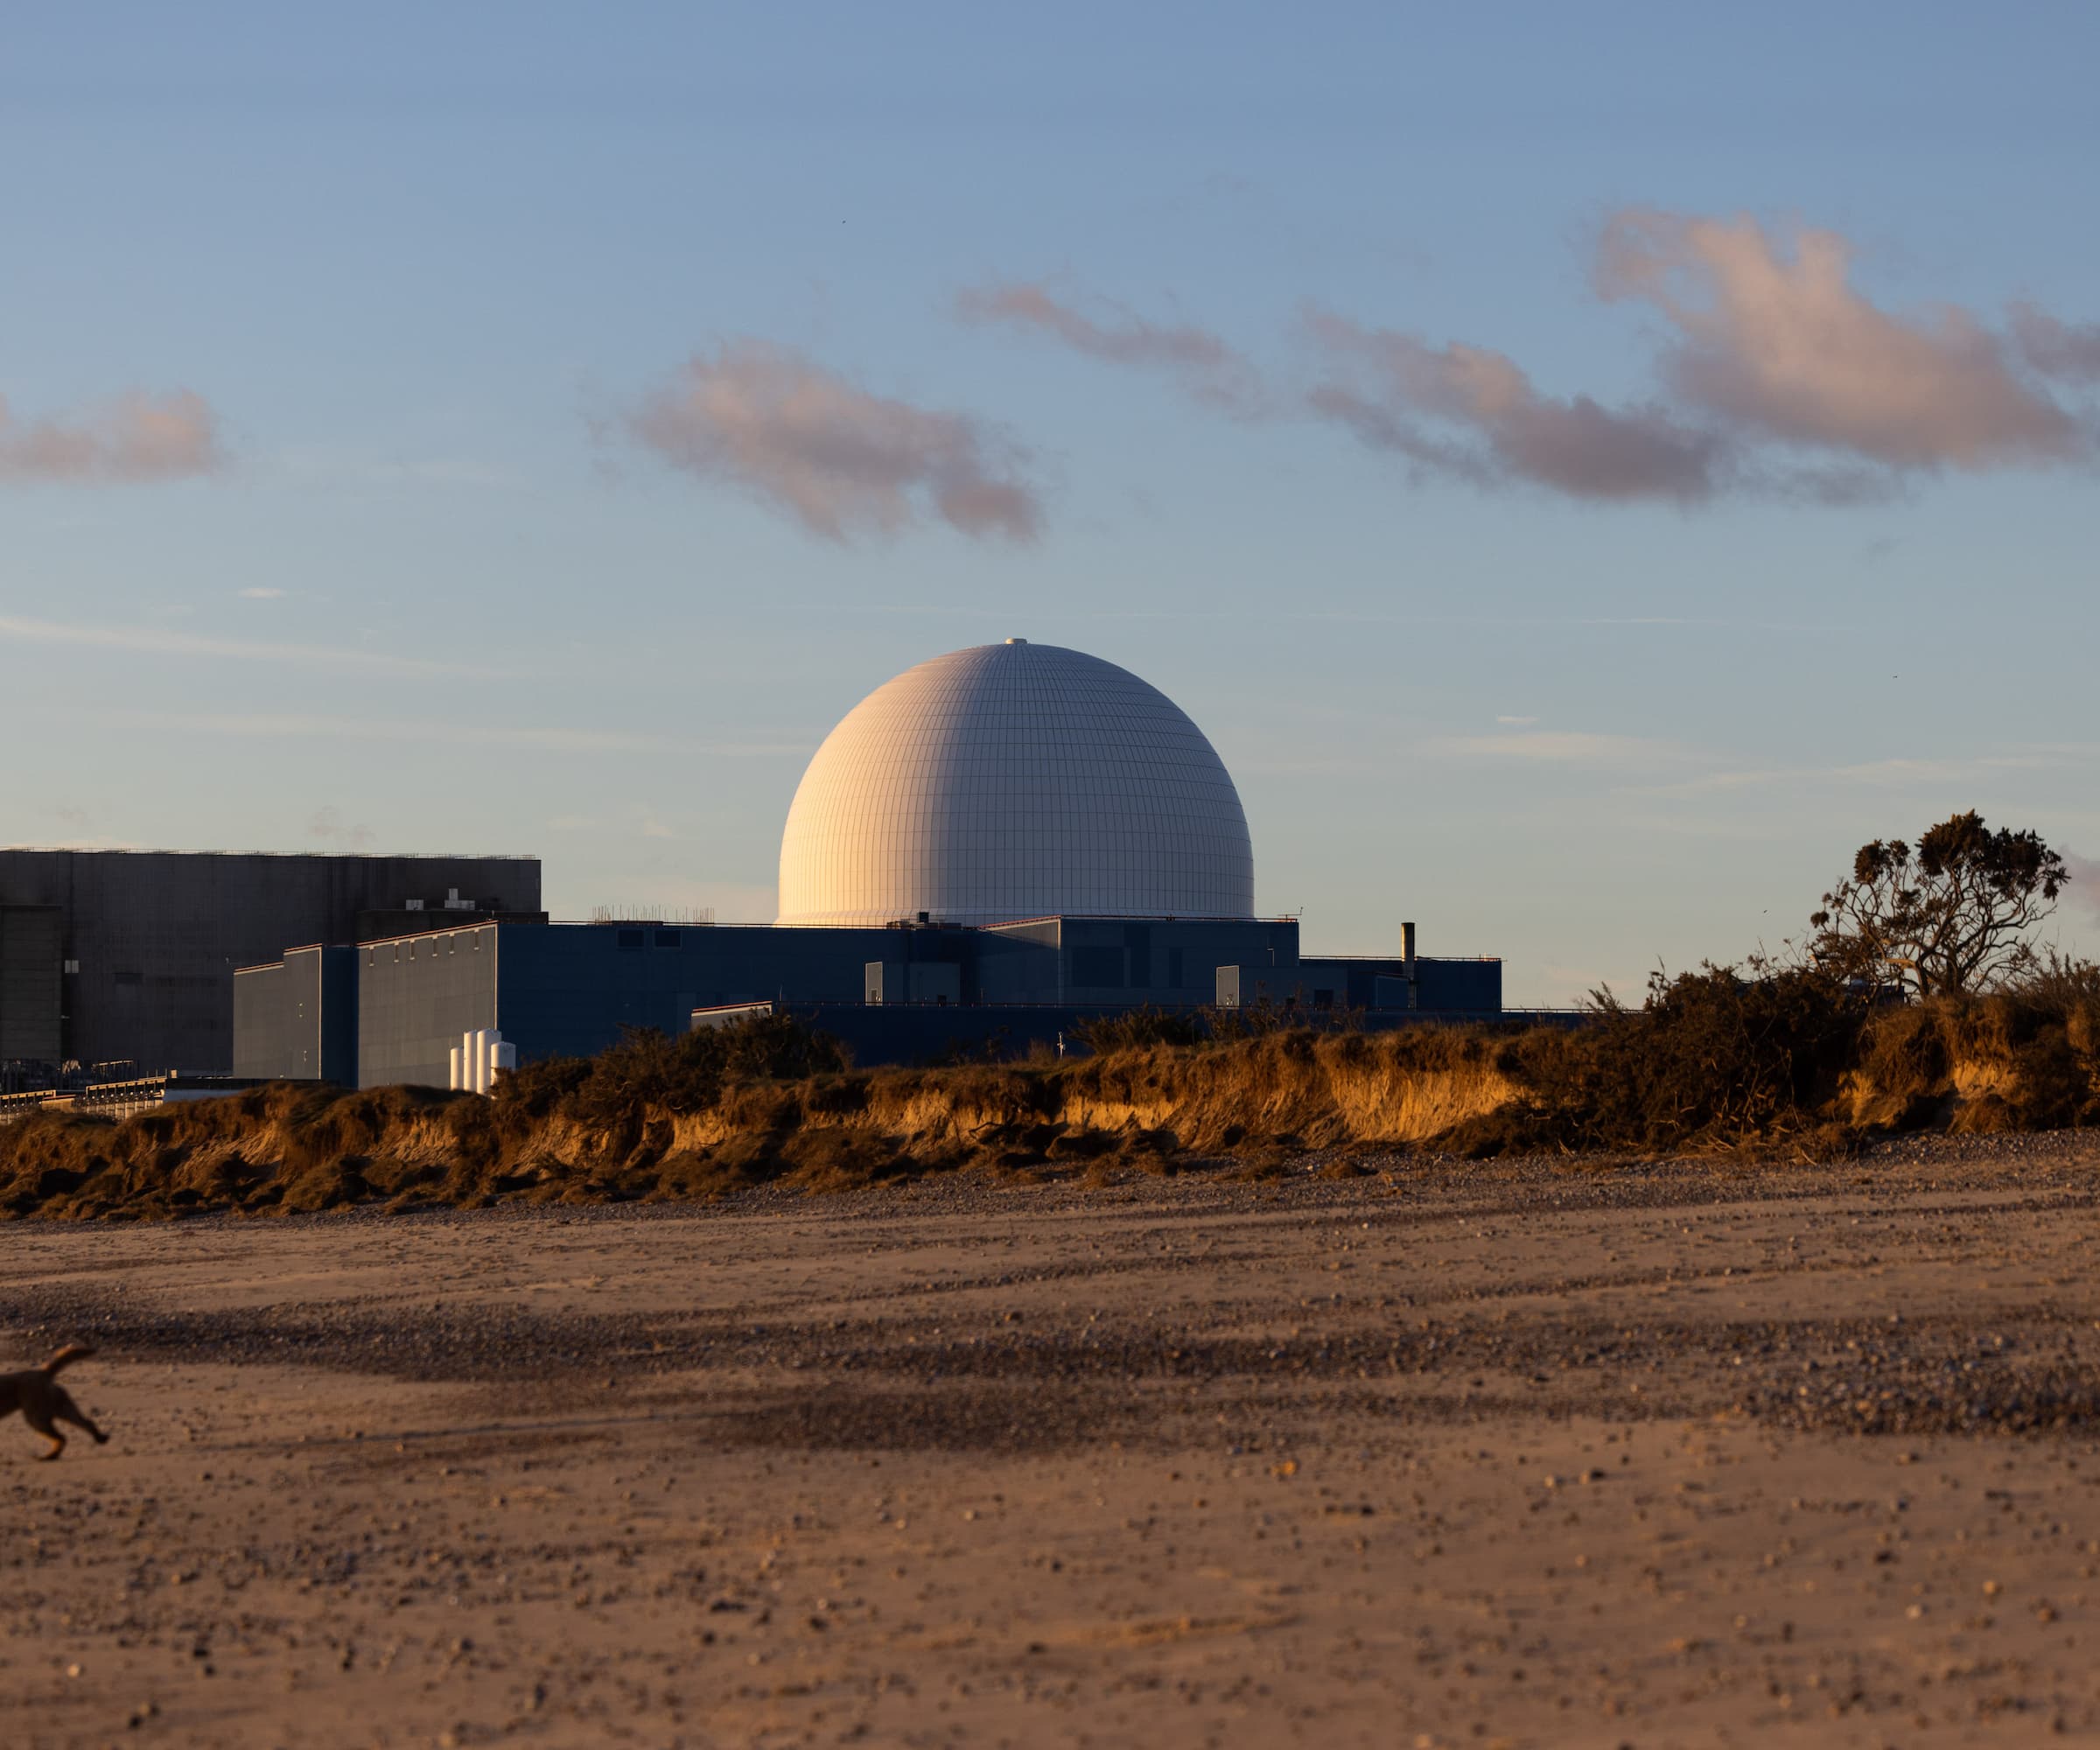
<point x="1015" y="780"/>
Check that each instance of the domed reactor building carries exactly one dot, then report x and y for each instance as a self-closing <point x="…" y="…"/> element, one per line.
<point x="1015" y="780"/>
<point x="987" y="851"/>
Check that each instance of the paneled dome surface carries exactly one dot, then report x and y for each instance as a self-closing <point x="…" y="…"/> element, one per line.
<point x="1015" y="780"/>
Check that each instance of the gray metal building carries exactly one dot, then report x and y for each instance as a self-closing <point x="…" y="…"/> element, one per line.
<point x="296" y="1020"/>
<point x="129" y="955"/>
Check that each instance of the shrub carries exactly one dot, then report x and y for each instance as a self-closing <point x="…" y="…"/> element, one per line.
<point x="1710" y="1058"/>
<point x="1259" y="1020"/>
<point x="1140" y="1029"/>
<point x="679" y="1076"/>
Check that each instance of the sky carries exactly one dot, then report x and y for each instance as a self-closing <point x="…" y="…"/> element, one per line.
<point x="1587" y="470"/>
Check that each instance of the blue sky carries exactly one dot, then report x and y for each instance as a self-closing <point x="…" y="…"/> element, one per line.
<point x="425" y="432"/>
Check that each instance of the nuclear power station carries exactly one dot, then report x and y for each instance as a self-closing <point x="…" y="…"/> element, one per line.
<point x="988" y="850"/>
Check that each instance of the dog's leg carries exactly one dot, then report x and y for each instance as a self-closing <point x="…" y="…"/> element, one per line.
<point x="64" y="1409"/>
<point x="39" y="1419"/>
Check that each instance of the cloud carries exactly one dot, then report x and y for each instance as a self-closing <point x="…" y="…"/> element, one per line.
<point x="1560" y="746"/>
<point x="136" y="438"/>
<point x="1770" y="374"/>
<point x="1773" y="375"/>
<point x="260" y="595"/>
<point x="429" y="733"/>
<point x="1517" y="722"/>
<point x="160" y="640"/>
<point x="1774" y="343"/>
<point x="1205" y="365"/>
<point x="436" y="736"/>
<point x="1937" y="774"/>
<point x="2068" y="352"/>
<point x="327" y="825"/>
<point x="2085" y="889"/>
<point x="1465" y="412"/>
<point x="843" y="462"/>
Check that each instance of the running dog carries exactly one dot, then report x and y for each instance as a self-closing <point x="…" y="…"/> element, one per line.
<point x="43" y="1401"/>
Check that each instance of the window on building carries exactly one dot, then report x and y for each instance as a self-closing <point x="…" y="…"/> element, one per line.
<point x="667" y="938"/>
<point x="630" y="938"/>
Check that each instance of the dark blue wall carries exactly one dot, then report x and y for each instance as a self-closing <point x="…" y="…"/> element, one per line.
<point x="1473" y="986"/>
<point x="1169" y="962"/>
<point x="556" y="989"/>
<point x="568" y="991"/>
<point x="1445" y="986"/>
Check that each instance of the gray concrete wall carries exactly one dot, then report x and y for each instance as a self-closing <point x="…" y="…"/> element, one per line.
<point x="157" y="934"/>
<point x="416" y="996"/>
<point x="262" y="1034"/>
<point x="297" y="1020"/>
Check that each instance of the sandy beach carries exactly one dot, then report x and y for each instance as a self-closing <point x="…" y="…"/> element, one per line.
<point x="1524" y="1454"/>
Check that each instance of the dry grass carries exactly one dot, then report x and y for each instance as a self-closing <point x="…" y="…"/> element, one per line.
<point x="1709" y="1061"/>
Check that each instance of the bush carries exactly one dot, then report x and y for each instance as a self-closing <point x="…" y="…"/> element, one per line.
<point x="678" y="1076"/>
<point x="1259" y="1020"/>
<point x="1711" y="1058"/>
<point x="1140" y="1029"/>
<point x="2058" y="983"/>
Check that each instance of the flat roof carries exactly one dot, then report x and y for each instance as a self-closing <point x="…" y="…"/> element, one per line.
<point x="285" y="855"/>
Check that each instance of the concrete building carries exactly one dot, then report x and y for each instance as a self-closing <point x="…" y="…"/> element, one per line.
<point x="32" y="955"/>
<point x="992" y="846"/>
<point x="129" y="955"/>
<point x="296" y="1018"/>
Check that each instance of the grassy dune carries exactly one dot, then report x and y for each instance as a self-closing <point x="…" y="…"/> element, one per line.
<point x="1709" y="1063"/>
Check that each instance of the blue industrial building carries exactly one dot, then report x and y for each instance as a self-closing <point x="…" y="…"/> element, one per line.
<point x="901" y="993"/>
<point x="989" y="848"/>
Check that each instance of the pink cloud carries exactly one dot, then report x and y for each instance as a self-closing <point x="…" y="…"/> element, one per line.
<point x="1474" y="413"/>
<point x="1776" y="344"/>
<point x="136" y="437"/>
<point x="1207" y="367"/>
<point x="842" y="461"/>
<point x="1773" y="375"/>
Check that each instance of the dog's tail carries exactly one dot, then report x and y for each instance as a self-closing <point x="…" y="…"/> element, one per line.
<point x="66" y="1357"/>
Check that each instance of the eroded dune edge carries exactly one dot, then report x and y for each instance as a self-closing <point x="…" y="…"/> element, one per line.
<point x="1721" y="1067"/>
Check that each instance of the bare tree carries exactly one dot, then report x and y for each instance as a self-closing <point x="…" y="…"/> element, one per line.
<point x="1951" y="916"/>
